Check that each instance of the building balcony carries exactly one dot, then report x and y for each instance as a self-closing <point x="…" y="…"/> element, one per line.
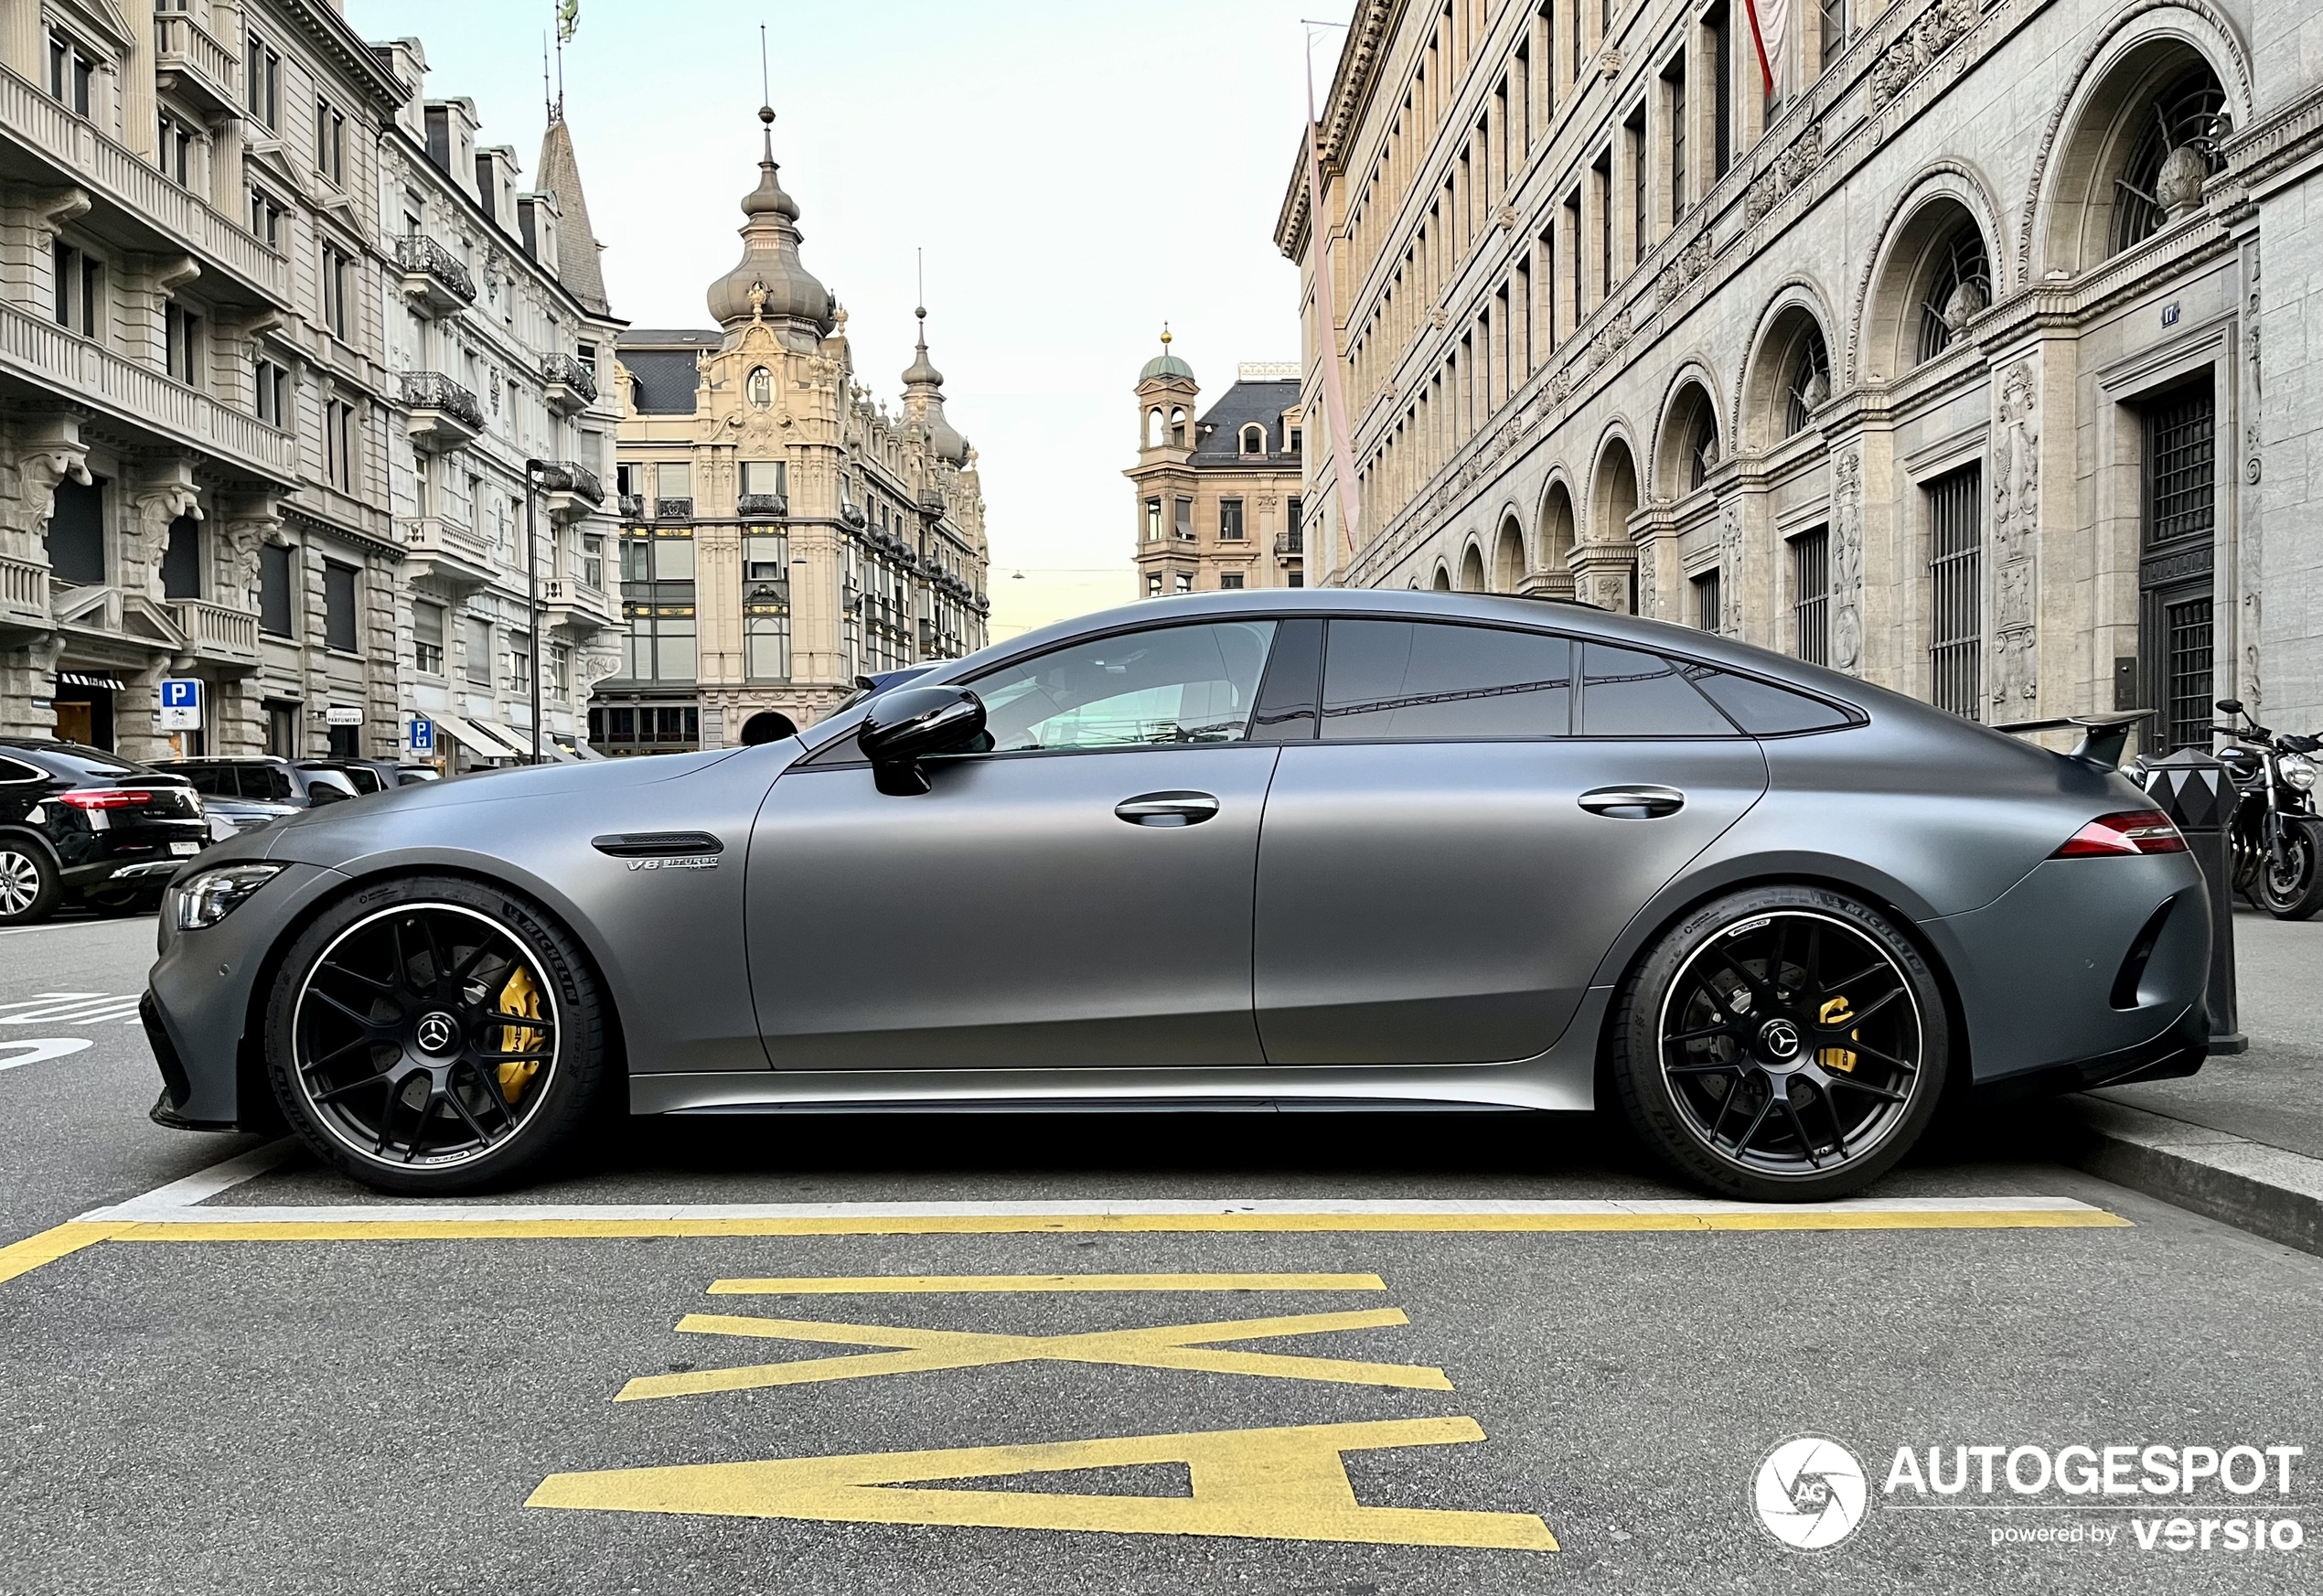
<point x="133" y="202"/>
<point x="1290" y="545"/>
<point x="673" y="509"/>
<point x="218" y="635"/>
<point x="192" y="63"/>
<point x="154" y="408"/>
<point x="763" y="507"/>
<point x="444" y="415"/>
<point x="24" y="597"/>
<point x="569" y="387"/>
<point x="632" y="507"/>
<point x="571" y="491"/>
<point x="434" y="280"/>
<point x="571" y="606"/>
<point x="852" y="514"/>
<point x="446" y="551"/>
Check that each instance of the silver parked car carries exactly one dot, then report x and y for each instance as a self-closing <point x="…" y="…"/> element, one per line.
<point x="1306" y="847"/>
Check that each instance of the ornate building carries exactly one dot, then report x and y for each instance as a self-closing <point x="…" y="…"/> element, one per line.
<point x="1975" y="364"/>
<point x="195" y="400"/>
<point x="783" y="532"/>
<point x="497" y="320"/>
<point x="1218" y="491"/>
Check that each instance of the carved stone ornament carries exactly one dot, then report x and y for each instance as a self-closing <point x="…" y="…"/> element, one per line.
<point x="1846" y="563"/>
<point x="1941" y="26"/>
<point x="1649" y="577"/>
<point x="2177" y="188"/>
<point x="2016" y="480"/>
<point x="1730" y="570"/>
<point x="1965" y="304"/>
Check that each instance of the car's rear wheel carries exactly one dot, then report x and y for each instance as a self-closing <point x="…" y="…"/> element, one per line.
<point x="1784" y="1044"/>
<point x="437" y="1035"/>
<point x="27" y="883"/>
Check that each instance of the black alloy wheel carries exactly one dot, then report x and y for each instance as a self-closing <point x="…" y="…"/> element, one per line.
<point x="1782" y="1043"/>
<point x="27" y="883"/>
<point x="2291" y="887"/>
<point x="438" y="1044"/>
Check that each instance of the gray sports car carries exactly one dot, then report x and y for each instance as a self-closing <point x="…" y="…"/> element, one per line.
<point x="1288" y="848"/>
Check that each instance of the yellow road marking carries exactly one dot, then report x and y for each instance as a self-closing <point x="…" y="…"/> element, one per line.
<point x="1018" y="1225"/>
<point x="19" y="1257"/>
<point x="1168" y="1346"/>
<point x="1269" y="1484"/>
<point x="879" y="1285"/>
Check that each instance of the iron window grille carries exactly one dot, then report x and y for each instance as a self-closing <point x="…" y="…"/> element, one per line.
<point x="2184" y="115"/>
<point x="1707" y="611"/>
<point x="2181" y="514"/>
<point x="1959" y="289"/>
<point x="1809" y="383"/>
<point x="1955" y="591"/>
<point x="2181" y="469"/>
<point x="1811" y="597"/>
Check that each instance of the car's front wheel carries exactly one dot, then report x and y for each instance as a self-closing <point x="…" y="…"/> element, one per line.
<point x="437" y="1035"/>
<point x="1784" y="1044"/>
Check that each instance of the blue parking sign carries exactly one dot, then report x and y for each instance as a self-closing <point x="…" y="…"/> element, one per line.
<point x="423" y="736"/>
<point x="180" y="704"/>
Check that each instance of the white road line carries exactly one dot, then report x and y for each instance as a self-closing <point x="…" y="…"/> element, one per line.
<point x="180" y="1195"/>
<point x="177" y="1204"/>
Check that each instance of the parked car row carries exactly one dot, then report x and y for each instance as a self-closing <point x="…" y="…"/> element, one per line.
<point x="79" y="825"/>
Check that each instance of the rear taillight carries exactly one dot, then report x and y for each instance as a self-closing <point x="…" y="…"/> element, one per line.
<point x="2132" y="832"/>
<point x="105" y="797"/>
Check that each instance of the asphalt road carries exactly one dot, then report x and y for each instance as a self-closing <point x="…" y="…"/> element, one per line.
<point x="370" y="1415"/>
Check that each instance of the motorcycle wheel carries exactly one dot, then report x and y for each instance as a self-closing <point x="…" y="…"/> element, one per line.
<point x="2294" y="890"/>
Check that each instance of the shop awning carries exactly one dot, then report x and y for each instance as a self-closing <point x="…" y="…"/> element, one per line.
<point x="481" y="738"/>
<point x="75" y="679"/>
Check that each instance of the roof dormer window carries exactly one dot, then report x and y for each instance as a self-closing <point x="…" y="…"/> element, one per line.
<point x="1254" y="439"/>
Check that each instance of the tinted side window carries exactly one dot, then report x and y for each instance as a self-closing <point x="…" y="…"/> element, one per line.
<point x="1628" y="693"/>
<point x="1423" y="679"/>
<point x="265" y="783"/>
<point x="205" y="779"/>
<point x="1766" y="711"/>
<point x="1170" y="687"/>
<point x="10" y="770"/>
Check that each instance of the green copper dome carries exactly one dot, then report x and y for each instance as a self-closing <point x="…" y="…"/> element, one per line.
<point x="1165" y="364"/>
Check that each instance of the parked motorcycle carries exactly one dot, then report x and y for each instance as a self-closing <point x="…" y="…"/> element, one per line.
<point x="2277" y="836"/>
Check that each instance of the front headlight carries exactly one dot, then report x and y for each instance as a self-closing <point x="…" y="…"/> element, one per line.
<point x="2297" y="770"/>
<point x="204" y="900"/>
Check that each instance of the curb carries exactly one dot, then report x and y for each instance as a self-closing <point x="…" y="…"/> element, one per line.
<point x="2263" y="1190"/>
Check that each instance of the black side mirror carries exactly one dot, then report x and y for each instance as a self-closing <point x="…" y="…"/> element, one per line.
<point x="2232" y="706"/>
<point x="905" y="726"/>
<point x="324" y="792"/>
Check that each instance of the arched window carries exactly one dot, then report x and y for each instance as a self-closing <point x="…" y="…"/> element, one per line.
<point x="1254" y="439"/>
<point x="2174" y="153"/>
<point x="1959" y="289"/>
<point x="1153" y="429"/>
<point x="1702" y="446"/>
<point x="759" y="387"/>
<point x="1808" y="384"/>
<point x="1177" y="429"/>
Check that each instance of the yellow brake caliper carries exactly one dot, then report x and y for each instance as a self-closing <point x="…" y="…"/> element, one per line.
<point x="1835" y="1013"/>
<point x="522" y="999"/>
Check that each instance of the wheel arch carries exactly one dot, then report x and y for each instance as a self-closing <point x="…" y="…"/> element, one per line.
<point x="14" y="829"/>
<point x="1874" y="888"/>
<point x="250" y="1084"/>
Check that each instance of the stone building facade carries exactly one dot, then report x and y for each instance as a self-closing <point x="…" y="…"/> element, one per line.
<point x="497" y="324"/>
<point x="1975" y="364"/>
<point x="196" y="404"/>
<point x="1218" y="491"/>
<point x="783" y="531"/>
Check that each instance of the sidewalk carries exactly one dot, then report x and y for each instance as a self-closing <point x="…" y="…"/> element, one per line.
<point x="2241" y="1142"/>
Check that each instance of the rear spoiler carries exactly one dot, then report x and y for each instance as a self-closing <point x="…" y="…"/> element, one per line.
<point x="2103" y="736"/>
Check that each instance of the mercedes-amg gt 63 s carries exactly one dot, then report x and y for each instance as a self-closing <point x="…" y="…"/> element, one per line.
<point x="1301" y="849"/>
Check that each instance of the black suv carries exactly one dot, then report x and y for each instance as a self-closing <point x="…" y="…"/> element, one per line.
<point x="82" y="824"/>
<point x="251" y="790"/>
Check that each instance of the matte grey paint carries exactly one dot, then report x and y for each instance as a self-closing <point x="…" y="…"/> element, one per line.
<point x="994" y="953"/>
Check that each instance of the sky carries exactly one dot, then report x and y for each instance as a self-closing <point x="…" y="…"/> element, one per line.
<point x="1076" y="171"/>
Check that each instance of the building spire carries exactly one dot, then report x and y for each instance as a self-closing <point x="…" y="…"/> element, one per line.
<point x="577" y="265"/>
<point x="770" y="282"/>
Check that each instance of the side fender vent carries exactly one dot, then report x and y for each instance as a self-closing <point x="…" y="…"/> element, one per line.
<point x="2128" y="978"/>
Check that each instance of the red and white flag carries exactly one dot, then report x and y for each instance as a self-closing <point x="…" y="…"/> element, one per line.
<point x="1770" y="27"/>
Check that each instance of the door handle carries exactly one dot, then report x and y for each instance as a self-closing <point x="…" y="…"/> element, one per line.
<point x="1167" y="808"/>
<point x="1640" y="802"/>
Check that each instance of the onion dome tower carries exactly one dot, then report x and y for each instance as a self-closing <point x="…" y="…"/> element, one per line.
<point x="770" y="283"/>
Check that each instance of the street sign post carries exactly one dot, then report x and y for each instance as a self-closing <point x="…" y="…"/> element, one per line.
<point x="181" y="703"/>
